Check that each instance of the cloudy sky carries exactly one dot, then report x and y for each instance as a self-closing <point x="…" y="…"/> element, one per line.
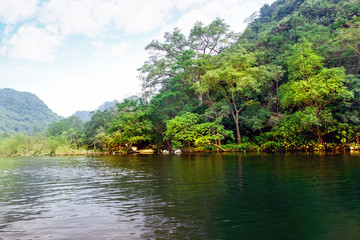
<point x="77" y="54"/>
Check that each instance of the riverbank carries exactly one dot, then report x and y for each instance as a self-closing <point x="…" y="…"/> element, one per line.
<point x="192" y="151"/>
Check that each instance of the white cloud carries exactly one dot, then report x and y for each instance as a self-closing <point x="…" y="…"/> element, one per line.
<point x="31" y="43"/>
<point x="233" y="12"/>
<point x="93" y="17"/>
<point x="98" y="44"/>
<point x="143" y="16"/>
<point x="111" y="50"/>
<point x="71" y="17"/>
<point x="118" y="50"/>
<point x="183" y="5"/>
<point x="12" y="11"/>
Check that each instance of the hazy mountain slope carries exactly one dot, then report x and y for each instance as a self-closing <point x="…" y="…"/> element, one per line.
<point x="86" y="115"/>
<point x="23" y="112"/>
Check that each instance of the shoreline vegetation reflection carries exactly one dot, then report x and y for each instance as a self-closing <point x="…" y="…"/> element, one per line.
<point x="188" y="196"/>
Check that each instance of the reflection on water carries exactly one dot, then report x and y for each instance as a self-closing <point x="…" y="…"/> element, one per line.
<point x="205" y="196"/>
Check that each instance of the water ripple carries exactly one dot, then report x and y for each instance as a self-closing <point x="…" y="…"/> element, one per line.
<point x="186" y="197"/>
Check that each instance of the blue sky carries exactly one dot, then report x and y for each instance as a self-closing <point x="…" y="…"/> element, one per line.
<point x="77" y="54"/>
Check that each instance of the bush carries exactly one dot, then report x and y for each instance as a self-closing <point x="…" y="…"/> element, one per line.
<point x="246" y="146"/>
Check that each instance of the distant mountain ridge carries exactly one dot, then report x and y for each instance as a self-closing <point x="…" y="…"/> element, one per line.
<point x="86" y="115"/>
<point x="23" y="112"/>
<point x="110" y="106"/>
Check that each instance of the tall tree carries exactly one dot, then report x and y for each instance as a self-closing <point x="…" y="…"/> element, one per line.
<point x="312" y="87"/>
<point x="235" y="79"/>
<point x="174" y="56"/>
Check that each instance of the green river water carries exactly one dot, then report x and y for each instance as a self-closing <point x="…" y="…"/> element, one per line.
<point x="194" y="196"/>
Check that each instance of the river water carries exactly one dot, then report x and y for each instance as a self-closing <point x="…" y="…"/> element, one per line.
<point x="197" y="196"/>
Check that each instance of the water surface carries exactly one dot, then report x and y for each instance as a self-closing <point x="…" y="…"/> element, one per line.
<point x="199" y="196"/>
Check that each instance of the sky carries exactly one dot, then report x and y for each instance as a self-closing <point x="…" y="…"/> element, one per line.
<point x="77" y="54"/>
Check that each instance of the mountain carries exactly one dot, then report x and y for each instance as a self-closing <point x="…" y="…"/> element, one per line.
<point x="107" y="106"/>
<point x="86" y="115"/>
<point x="23" y="112"/>
<point x="83" y="115"/>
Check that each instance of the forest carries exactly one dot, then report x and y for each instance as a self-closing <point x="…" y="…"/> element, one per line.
<point x="289" y="82"/>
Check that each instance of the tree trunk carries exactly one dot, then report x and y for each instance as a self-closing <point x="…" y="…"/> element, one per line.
<point x="235" y="113"/>
<point x="236" y="120"/>
<point x="224" y="150"/>
<point x="321" y="141"/>
<point x="169" y="145"/>
<point x="238" y="135"/>
<point x="167" y="141"/>
<point x="200" y="98"/>
<point x="199" y="95"/>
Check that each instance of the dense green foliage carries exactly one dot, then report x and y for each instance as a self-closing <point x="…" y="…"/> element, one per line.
<point x="291" y="81"/>
<point x="24" y="144"/>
